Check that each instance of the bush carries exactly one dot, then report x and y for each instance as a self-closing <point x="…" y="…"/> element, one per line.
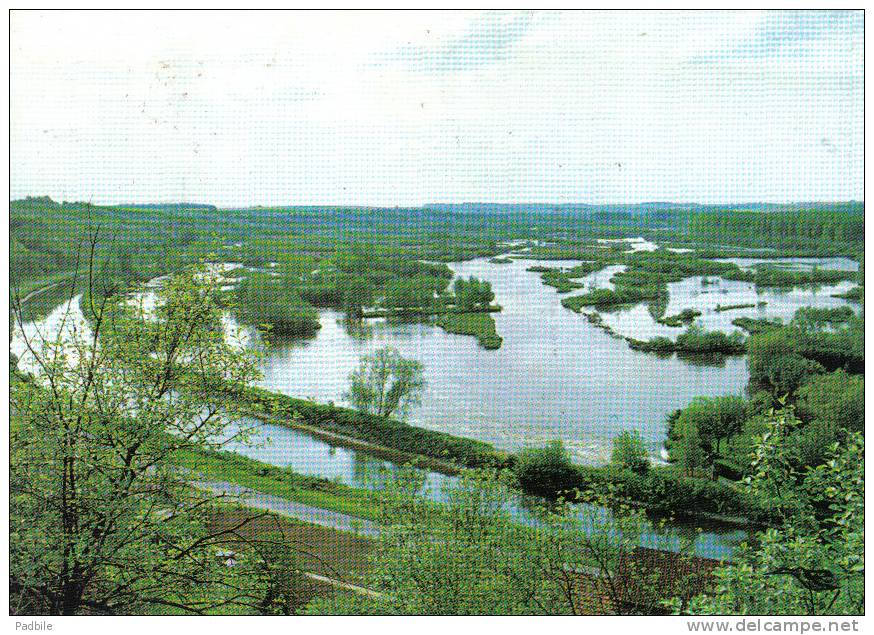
<point x="663" y="490"/>
<point x="546" y="471"/>
<point x="265" y="299"/>
<point x="629" y="452"/>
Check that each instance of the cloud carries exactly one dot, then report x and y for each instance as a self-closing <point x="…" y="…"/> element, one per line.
<point x="489" y="38"/>
<point x="408" y="107"/>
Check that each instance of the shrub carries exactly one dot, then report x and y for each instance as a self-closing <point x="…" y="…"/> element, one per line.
<point x="546" y="471"/>
<point x="837" y="398"/>
<point x="630" y="452"/>
<point x="265" y="299"/>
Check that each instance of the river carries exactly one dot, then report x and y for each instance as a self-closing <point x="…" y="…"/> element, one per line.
<point x="556" y="376"/>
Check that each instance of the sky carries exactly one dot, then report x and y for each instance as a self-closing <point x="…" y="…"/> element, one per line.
<point x="386" y="108"/>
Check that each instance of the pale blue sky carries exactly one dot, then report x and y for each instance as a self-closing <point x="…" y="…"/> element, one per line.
<point x="410" y="108"/>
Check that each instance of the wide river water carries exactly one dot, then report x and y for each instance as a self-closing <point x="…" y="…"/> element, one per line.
<point x="556" y="376"/>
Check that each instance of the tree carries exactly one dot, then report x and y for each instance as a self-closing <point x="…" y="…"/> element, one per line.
<point x="469" y="557"/>
<point x="812" y="561"/>
<point x="546" y="471"/>
<point x="101" y="520"/>
<point x="409" y="293"/>
<point x="629" y="452"/>
<point x="836" y="398"/>
<point x="775" y="363"/>
<point x="268" y="300"/>
<point x="472" y="293"/>
<point x="357" y="293"/>
<point x="706" y="422"/>
<point x="687" y="448"/>
<point x="386" y="383"/>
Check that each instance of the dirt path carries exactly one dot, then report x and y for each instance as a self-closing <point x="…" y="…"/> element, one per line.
<point x="291" y="509"/>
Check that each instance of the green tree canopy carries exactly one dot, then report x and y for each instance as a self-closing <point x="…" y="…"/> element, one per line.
<point x="837" y="398"/>
<point x="812" y="562"/>
<point x="696" y="433"/>
<point x="472" y="293"/>
<point x="101" y="519"/>
<point x="263" y="299"/>
<point x="385" y="383"/>
<point x="629" y="452"/>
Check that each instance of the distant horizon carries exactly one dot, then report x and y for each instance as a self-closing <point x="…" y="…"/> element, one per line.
<point x="447" y="203"/>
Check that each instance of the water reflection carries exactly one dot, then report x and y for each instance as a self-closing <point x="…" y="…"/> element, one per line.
<point x="555" y="377"/>
<point x="305" y="454"/>
<point x="715" y="297"/>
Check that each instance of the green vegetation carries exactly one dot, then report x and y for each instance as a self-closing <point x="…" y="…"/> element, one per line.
<point x="664" y="490"/>
<point x="500" y="261"/>
<point x="560" y="280"/>
<point x="694" y="341"/>
<point x="472" y="294"/>
<point x="386" y="383"/>
<point x="546" y="472"/>
<point x="812" y="561"/>
<point x="415" y="294"/>
<point x="684" y="317"/>
<point x="836" y="399"/>
<point x="383" y="431"/>
<point x="480" y="325"/>
<point x="265" y="300"/>
<point x="813" y="318"/>
<point x="564" y="279"/>
<point x="549" y="472"/>
<point x="731" y="307"/>
<point x="766" y="276"/>
<point x="782" y="359"/>
<point x="825" y="228"/>
<point x="102" y="520"/>
<point x="269" y="479"/>
<point x="647" y="275"/>
<point x="757" y="325"/>
<point x="696" y="434"/>
<point x="629" y="452"/>
<point x="469" y="557"/>
<point x="856" y="294"/>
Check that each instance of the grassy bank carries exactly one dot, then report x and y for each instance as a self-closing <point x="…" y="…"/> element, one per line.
<point x="480" y="325"/>
<point x="282" y="482"/>
<point x="383" y="431"/>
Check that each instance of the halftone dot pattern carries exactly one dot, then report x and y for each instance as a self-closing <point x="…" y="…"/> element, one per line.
<point x="514" y="107"/>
